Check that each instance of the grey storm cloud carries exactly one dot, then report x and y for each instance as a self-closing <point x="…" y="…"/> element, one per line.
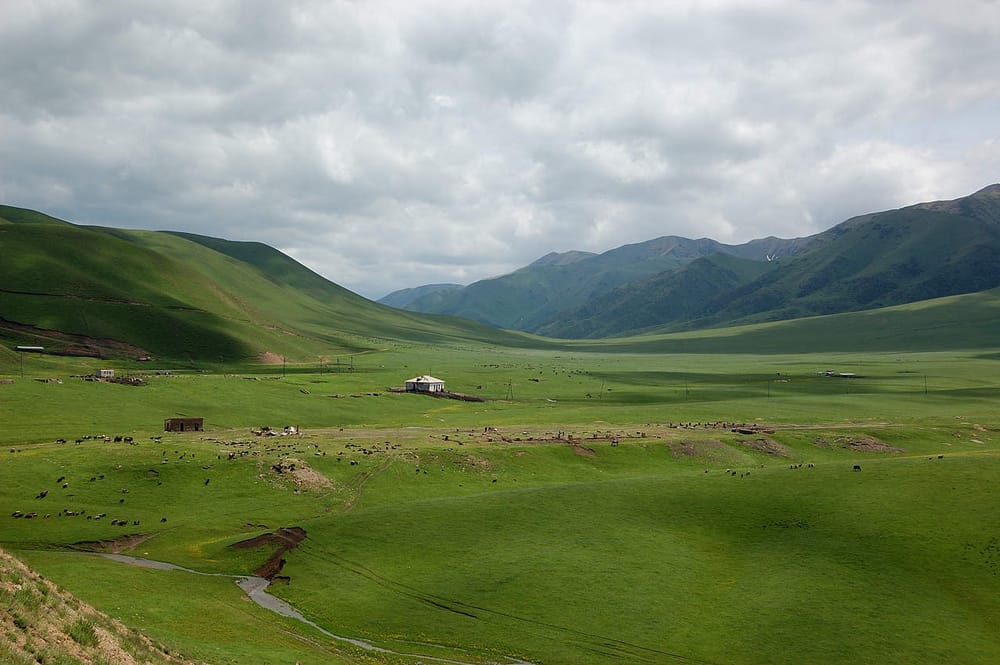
<point x="391" y="144"/>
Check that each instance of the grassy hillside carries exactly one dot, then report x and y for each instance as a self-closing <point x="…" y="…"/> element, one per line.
<point x="116" y="293"/>
<point x="895" y="257"/>
<point x="677" y="295"/>
<point x="955" y="322"/>
<point x="12" y="215"/>
<point x="952" y="323"/>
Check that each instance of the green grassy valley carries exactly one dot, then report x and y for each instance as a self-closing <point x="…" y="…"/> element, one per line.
<point x="813" y="490"/>
<point x="598" y="508"/>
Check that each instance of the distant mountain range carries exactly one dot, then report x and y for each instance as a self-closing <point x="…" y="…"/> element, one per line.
<point x="404" y="297"/>
<point x="181" y="298"/>
<point x="923" y="251"/>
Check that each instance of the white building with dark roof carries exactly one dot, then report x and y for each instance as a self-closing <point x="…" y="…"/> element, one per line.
<point x="424" y="384"/>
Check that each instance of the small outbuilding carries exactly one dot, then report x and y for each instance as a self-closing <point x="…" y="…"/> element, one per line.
<point x="105" y="374"/>
<point x="184" y="425"/>
<point x="424" y="384"/>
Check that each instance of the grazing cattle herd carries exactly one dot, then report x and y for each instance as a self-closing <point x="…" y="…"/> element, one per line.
<point x="63" y="483"/>
<point x="246" y="448"/>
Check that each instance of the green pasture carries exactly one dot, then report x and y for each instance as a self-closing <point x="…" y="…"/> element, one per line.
<point x="523" y="388"/>
<point x="471" y="531"/>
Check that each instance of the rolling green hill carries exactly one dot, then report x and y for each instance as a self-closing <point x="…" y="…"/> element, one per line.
<point x="116" y="293"/>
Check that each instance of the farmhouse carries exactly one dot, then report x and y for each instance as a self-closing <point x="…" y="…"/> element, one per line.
<point x="424" y="384"/>
<point x="184" y="425"/>
<point x="105" y="374"/>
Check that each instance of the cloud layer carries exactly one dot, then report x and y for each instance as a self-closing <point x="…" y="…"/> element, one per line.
<point x="391" y="144"/>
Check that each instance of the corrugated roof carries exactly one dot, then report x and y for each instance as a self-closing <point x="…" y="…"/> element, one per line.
<point x="424" y="379"/>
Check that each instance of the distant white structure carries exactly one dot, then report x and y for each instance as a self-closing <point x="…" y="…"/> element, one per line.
<point x="105" y="374"/>
<point x="424" y="384"/>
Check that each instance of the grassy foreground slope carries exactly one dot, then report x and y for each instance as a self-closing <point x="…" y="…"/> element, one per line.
<point x="42" y="623"/>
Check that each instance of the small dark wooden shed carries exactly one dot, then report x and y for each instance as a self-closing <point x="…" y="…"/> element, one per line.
<point x="184" y="425"/>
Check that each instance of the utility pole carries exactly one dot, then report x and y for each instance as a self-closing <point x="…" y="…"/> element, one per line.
<point x="21" y="350"/>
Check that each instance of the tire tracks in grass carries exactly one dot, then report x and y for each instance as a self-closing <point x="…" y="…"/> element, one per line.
<point x="256" y="590"/>
<point x="593" y="642"/>
<point x="358" y="482"/>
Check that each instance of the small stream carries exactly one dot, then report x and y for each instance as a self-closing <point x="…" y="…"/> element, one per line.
<point x="256" y="590"/>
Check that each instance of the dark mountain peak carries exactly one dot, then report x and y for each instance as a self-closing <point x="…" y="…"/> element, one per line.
<point x="562" y="258"/>
<point x="981" y="205"/>
<point x="990" y="191"/>
<point x="665" y="246"/>
<point x="404" y="298"/>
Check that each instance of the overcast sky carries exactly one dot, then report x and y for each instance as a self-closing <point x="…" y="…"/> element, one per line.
<point x="393" y="144"/>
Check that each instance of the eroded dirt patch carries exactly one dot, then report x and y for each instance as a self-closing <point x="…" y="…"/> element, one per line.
<point x="283" y="540"/>
<point x="766" y="445"/>
<point x="864" y="444"/>
<point x="476" y="463"/>
<point x="687" y="448"/>
<point x="58" y="343"/>
<point x="269" y="358"/>
<point x="304" y="476"/>
<point x="112" y="545"/>
<point x="583" y="450"/>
